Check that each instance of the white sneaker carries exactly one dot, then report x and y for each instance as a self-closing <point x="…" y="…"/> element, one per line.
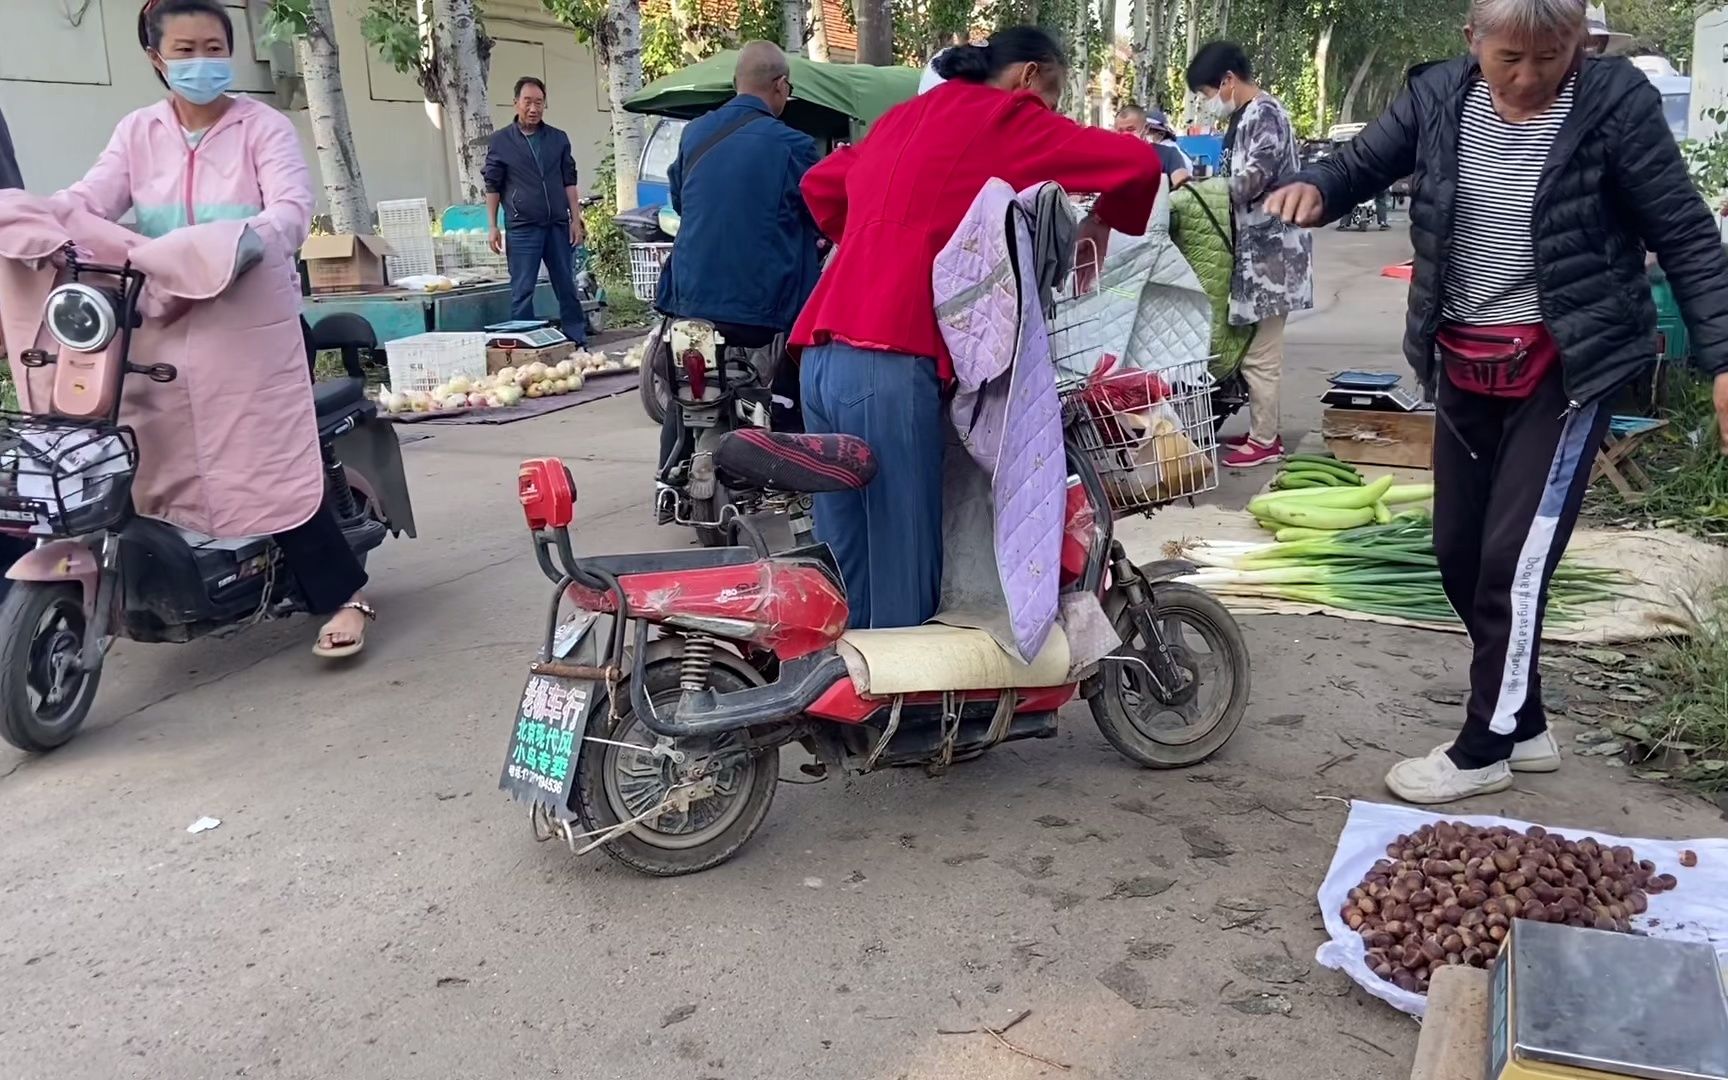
<point x="1434" y="779"/>
<point x="1539" y="753"/>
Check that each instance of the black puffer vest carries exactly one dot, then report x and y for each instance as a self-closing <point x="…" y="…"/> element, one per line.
<point x="1614" y="185"/>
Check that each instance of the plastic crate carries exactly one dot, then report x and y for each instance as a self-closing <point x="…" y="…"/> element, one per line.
<point x="646" y="261"/>
<point x="407" y="225"/>
<point x="424" y="361"/>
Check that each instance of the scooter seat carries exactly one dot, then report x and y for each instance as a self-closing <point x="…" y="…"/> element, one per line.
<point x="925" y="659"/>
<point x="805" y="464"/>
<point x="336" y="396"/>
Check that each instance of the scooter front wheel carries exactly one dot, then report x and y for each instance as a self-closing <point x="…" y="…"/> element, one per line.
<point x="1173" y="697"/>
<point x="684" y="822"/>
<point x="44" y="694"/>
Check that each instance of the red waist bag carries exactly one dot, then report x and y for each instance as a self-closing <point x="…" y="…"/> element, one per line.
<point x="1497" y="361"/>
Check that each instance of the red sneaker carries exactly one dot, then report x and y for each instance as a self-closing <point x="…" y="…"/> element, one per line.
<point x="1234" y="441"/>
<point x="1251" y="453"/>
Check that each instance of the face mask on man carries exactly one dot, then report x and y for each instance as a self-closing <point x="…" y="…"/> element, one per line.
<point x="1217" y="107"/>
<point x="200" y="79"/>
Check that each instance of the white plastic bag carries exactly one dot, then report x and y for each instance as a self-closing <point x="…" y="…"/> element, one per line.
<point x="1696" y="911"/>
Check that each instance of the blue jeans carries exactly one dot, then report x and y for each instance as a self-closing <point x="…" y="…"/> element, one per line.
<point x="526" y="247"/>
<point x="887" y="538"/>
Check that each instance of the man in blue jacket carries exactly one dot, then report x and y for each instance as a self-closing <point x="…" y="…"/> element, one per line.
<point x="530" y="171"/>
<point x="745" y="257"/>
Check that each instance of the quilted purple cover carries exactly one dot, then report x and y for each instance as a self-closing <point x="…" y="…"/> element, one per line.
<point x="1005" y="406"/>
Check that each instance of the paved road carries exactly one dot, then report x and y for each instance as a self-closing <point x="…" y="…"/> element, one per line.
<point x="371" y="907"/>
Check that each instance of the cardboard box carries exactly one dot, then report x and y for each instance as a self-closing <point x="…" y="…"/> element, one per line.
<point x="499" y="359"/>
<point x="1368" y="437"/>
<point x="344" y="262"/>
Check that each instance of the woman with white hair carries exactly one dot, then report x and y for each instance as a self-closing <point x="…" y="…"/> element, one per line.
<point x="1541" y="177"/>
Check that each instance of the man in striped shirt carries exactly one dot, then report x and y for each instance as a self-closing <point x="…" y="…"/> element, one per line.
<point x="1541" y="177"/>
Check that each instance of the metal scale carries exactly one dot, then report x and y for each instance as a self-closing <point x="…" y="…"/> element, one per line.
<point x="1573" y="1004"/>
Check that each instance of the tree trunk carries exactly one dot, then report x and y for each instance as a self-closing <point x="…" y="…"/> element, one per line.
<point x="1107" y="88"/>
<point x="792" y="33"/>
<point x="1347" y="109"/>
<point x="1079" y="71"/>
<point x="1191" y="19"/>
<point x="1140" y="47"/>
<point x="1322" y="54"/>
<point x="333" y="137"/>
<point x="1223" y="20"/>
<point x="875" y="21"/>
<point x="818" y="32"/>
<point x="462" y="64"/>
<point x="620" y="48"/>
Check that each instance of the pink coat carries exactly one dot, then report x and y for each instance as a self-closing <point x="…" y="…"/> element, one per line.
<point x="229" y="449"/>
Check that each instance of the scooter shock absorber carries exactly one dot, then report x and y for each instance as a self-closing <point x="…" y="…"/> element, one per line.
<point x="698" y="658"/>
<point x="336" y="489"/>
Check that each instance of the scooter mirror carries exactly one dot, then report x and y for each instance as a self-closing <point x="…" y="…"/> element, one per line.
<point x="547" y="493"/>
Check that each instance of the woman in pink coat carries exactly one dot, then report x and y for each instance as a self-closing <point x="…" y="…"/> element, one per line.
<point x="251" y="463"/>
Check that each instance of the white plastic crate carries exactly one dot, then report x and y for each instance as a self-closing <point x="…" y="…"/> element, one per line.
<point x="646" y="261"/>
<point x="424" y="361"/>
<point x="407" y="225"/>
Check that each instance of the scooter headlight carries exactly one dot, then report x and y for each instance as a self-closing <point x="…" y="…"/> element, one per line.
<point x="82" y="318"/>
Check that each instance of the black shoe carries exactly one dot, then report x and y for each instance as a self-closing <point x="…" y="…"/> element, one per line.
<point x="1384" y="227"/>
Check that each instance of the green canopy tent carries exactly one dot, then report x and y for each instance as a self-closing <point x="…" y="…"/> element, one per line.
<point x="830" y="102"/>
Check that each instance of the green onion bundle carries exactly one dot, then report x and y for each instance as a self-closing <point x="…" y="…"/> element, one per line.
<point x="1387" y="570"/>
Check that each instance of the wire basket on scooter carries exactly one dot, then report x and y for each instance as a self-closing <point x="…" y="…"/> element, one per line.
<point x="1146" y="426"/>
<point x="62" y="477"/>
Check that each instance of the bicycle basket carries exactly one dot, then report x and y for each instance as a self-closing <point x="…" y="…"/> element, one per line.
<point x="63" y="477"/>
<point x="1146" y="427"/>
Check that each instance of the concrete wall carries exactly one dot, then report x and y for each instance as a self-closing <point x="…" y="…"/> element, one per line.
<point x="64" y="85"/>
<point x="1709" y="70"/>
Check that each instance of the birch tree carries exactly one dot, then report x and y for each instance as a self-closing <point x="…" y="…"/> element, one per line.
<point x="308" y="24"/>
<point x="443" y="45"/>
<point x="613" y="28"/>
<point x="462" y="64"/>
<point x="818" y="32"/>
<point x="1140" y="36"/>
<point x="792" y="33"/>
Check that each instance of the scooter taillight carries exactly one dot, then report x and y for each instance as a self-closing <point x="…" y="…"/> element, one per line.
<point x="547" y="494"/>
<point x="696" y="370"/>
<point x="1079" y="532"/>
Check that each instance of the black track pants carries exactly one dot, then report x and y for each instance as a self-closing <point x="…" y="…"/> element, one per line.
<point x="1509" y="479"/>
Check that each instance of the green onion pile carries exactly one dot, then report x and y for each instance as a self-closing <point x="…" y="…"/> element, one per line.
<point x="1340" y="546"/>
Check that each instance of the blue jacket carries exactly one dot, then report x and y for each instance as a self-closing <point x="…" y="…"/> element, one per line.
<point x="746" y="246"/>
<point x="530" y="179"/>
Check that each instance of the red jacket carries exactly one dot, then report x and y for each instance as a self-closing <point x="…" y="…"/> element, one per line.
<point x="895" y="199"/>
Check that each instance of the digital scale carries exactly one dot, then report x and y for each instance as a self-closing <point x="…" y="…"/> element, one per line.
<point x="523" y="334"/>
<point x="1574" y="1004"/>
<point x="1378" y="391"/>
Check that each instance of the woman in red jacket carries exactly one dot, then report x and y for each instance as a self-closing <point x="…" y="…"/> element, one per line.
<point x="874" y="364"/>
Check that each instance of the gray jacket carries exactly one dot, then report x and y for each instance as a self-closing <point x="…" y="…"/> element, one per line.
<point x="1274" y="271"/>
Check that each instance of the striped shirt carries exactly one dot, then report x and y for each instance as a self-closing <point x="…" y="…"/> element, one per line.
<point x="1491" y="277"/>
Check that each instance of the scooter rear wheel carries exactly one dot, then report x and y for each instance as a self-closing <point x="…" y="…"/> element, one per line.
<point x="616" y="784"/>
<point x="1169" y="726"/>
<point x="44" y="695"/>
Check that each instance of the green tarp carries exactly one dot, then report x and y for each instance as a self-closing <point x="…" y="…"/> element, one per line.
<point x="826" y="98"/>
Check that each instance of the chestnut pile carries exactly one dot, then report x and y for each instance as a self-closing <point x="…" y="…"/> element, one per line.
<point x="1447" y="894"/>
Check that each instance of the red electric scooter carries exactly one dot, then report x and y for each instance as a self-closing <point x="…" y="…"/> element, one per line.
<point x="652" y="722"/>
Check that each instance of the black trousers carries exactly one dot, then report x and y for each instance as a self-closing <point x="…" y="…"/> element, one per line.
<point x="1509" y="480"/>
<point x="323" y="565"/>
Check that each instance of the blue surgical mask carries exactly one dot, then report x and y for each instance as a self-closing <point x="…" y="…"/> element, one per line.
<point x="200" y="79"/>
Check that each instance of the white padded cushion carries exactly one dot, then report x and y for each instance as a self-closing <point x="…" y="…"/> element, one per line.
<point x="918" y="659"/>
